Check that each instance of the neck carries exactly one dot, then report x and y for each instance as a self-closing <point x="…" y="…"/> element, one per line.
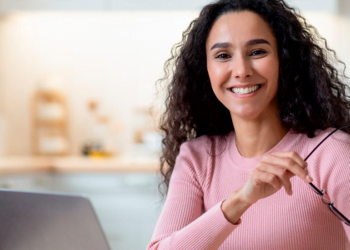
<point x="255" y="138"/>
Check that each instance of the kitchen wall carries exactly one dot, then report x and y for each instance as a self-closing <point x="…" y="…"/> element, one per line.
<point x="114" y="57"/>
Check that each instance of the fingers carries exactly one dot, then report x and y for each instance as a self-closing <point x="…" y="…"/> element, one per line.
<point x="290" y="161"/>
<point x="282" y="176"/>
<point x="265" y="177"/>
<point x="292" y="155"/>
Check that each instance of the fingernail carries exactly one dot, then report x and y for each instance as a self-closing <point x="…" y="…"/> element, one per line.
<point x="309" y="178"/>
<point x="305" y="168"/>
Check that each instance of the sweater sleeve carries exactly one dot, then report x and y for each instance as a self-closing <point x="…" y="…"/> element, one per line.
<point x="181" y="224"/>
<point x="338" y="186"/>
<point x="335" y="176"/>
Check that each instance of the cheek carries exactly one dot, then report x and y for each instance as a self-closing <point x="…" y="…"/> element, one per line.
<point x="268" y="69"/>
<point x="218" y="74"/>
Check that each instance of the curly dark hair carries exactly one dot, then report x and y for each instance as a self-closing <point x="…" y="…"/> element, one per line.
<point x="311" y="93"/>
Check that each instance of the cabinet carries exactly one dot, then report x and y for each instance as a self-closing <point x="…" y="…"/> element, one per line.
<point x="36" y="182"/>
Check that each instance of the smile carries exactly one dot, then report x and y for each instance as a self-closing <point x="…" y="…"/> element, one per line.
<point x="242" y="91"/>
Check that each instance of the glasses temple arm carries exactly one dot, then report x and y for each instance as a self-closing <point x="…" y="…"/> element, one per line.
<point x="324" y="140"/>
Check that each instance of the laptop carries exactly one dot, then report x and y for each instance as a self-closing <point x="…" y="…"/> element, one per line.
<point x="48" y="221"/>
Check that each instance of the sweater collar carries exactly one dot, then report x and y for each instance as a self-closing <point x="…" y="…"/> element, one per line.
<point x="250" y="163"/>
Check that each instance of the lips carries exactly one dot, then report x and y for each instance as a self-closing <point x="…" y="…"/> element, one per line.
<point x="244" y="85"/>
<point x="248" y="90"/>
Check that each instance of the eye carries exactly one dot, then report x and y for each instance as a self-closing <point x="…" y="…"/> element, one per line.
<point x="258" y="52"/>
<point x="223" y="56"/>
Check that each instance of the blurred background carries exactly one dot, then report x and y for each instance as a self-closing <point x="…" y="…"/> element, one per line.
<point x="78" y="110"/>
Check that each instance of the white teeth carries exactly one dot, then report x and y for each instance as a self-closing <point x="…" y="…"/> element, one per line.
<point x="245" y="90"/>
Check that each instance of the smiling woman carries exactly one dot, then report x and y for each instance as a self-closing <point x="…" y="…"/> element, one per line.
<point x="251" y="95"/>
<point x="249" y="59"/>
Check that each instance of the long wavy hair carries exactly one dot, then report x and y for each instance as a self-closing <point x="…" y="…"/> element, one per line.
<point x="311" y="93"/>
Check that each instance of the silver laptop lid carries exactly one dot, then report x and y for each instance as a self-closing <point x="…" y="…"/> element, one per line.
<point x="48" y="221"/>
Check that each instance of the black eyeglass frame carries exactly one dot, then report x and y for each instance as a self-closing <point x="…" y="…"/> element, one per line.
<point x="335" y="211"/>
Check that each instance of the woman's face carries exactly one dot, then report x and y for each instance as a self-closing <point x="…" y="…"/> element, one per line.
<point x="243" y="65"/>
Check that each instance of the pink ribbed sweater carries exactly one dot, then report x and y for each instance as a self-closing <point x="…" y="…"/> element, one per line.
<point x="192" y="218"/>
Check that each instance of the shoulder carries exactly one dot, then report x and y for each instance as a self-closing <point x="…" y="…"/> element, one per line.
<point x="332" y="156"/>
<point x="204" y="146"/>
<point x="330" y="163"/>
<point x="196" y="145"/>
<point x="337" y="142"/>
<point x="195" y="154"/>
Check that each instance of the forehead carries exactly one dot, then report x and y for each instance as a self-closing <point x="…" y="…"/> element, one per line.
<point x="239" y="27"/>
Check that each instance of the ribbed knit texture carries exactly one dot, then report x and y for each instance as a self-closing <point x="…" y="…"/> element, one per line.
<point x="192" y="218"/>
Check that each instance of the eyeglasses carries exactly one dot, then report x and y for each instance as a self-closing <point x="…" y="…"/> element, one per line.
<point x="322" y="192"/>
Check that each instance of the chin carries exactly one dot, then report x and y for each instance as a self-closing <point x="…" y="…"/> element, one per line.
<point x="244" y="114"/>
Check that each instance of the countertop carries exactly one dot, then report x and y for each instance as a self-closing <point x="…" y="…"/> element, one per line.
<point x="26" y="164"/>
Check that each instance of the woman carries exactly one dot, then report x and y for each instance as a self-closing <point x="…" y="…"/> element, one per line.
<point x="251" y="96"/>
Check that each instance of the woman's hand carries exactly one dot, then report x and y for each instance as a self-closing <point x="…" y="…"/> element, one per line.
<point x="271" y="173"/>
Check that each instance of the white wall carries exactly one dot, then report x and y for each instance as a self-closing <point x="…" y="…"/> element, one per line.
<point x="115" y="57"/>
<point x="7" y="5"/>
<point x="335" y="29"/>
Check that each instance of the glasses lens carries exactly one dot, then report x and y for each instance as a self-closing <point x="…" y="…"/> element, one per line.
<point x="340" y="217"/>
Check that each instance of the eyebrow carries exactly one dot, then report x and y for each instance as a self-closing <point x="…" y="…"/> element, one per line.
<point x="221" y="45"/>
<point x="256" y="41"/>
<point x="249" y="43"/>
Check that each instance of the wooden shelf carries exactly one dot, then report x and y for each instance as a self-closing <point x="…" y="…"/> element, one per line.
<point x="76" y="164"/>
<point x="44" y="130"/>
<point x="49" y="122"/>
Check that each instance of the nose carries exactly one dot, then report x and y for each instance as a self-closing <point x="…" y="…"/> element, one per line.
<point x="242" y="68"/>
